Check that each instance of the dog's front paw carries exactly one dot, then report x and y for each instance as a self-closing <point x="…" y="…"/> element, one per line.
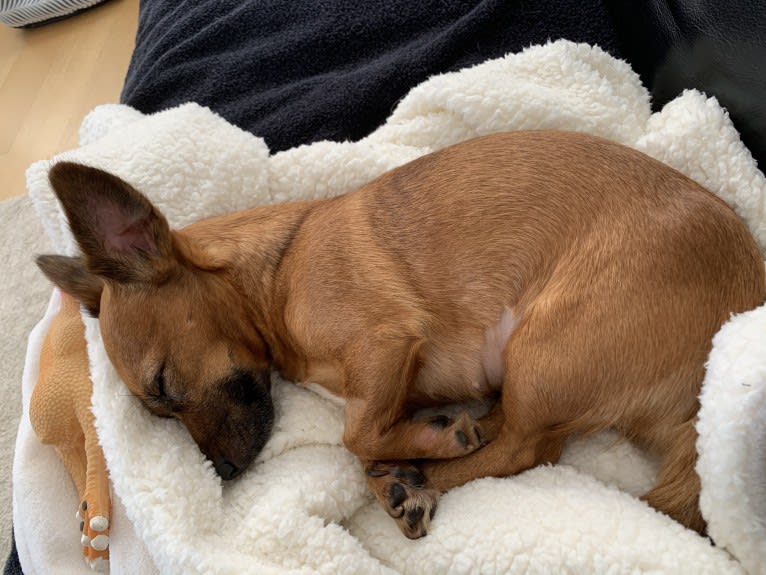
<point x="400" y="489"/>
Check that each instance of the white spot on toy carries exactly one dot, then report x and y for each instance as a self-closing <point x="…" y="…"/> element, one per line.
<point x="100" y="542"/>
<point x="99" y="523"/>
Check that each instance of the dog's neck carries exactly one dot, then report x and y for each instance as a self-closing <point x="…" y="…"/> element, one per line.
<point x="249" y="248"/>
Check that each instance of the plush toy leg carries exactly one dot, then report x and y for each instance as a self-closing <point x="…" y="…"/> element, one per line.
<point x="60" y="414"/>
<point x="95" y="506"/>
<point x="87" y="467"/>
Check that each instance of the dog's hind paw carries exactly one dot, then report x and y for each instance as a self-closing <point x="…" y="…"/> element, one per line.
<point x="400" y="489"/>
<point x="464" y="433"/>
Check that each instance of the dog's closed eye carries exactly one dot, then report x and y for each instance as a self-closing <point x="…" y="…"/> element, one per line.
<point x="159" y="383"/>
<point x="159" y="397"/>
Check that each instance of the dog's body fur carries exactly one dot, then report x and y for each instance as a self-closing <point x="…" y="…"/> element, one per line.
<point x="577" y="279"/>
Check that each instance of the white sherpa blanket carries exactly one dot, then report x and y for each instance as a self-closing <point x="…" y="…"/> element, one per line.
<point x="304" y="508"/>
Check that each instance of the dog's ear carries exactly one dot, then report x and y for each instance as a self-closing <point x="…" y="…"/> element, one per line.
<point x="123" y="237"/>
<point x="71" y="275"/>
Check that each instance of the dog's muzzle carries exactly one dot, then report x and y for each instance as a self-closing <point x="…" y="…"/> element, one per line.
<point x="235" y="424"/>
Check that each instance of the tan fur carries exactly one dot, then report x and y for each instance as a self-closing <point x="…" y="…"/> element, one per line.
<point x="615" y="270"/>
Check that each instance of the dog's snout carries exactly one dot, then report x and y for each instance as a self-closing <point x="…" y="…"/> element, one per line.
<point x="242" y="423"/>
<point x="227" y="469"/>
<point x="248" y="388"/>
<point x="233" y="423"/>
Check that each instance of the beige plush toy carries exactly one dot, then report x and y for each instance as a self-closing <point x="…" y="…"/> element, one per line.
<point x="60" y="413"/>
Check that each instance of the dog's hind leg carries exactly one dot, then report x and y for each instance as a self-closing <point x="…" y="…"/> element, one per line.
<point x="537" y="376"/>
<point x="678" y="485"/>
<point x="513" y="451"/>
<point x="540" y="370"/>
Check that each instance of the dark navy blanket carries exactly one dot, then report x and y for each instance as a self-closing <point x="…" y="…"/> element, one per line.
<point x="306" y="70"/>
<point x="299" y="71"/>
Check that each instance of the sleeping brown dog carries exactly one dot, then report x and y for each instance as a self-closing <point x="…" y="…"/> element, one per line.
<point x="578" y="281"/>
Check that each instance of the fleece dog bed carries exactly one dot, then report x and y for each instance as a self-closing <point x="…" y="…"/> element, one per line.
<point x="304" y="507"/>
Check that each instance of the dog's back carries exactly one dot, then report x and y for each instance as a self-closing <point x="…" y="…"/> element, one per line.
<point x="595" y="236"/>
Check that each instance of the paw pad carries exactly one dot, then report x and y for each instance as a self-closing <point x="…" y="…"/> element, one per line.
<point x="402" y="492"/>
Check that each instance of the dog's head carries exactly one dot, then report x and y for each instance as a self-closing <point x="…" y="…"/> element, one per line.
<point x="173" y="322"/>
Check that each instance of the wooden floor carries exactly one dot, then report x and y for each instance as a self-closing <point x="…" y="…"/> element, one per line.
<point x="52" y="76"/>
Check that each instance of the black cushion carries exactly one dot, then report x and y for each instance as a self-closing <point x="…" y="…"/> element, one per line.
<point x="718" y="47"/>
<point x="303" y="71"/>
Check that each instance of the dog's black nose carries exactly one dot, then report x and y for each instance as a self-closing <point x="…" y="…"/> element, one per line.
<point x="226" y="469"/>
